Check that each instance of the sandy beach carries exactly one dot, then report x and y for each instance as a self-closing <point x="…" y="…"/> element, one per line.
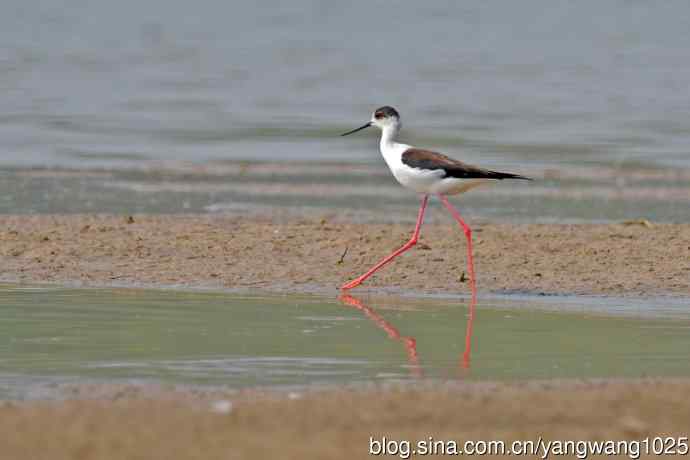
<point x="316" y="255"/>
<point x="337" y="424"/>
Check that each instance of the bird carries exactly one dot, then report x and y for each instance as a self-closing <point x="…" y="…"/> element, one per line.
<point x="427" y="173"/>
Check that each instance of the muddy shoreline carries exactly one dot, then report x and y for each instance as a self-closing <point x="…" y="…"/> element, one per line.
<point x="308" y="255"/>
<point x="338" y="423"/>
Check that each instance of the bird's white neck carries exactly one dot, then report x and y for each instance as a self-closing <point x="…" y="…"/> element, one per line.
<point x="390" y="149"/>
<point x="388" y="136"/>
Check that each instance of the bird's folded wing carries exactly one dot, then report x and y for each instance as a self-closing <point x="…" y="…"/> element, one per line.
<point x="426" y="159"/>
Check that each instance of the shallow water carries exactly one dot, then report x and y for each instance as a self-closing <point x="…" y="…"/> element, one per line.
<point x="51" y="336"/>
<point x="89" y="83"/>
<point x="580" y="93"/>
<point x="346" y="192"/>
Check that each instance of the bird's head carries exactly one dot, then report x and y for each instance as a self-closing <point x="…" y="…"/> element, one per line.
<point x="382" y="118"/>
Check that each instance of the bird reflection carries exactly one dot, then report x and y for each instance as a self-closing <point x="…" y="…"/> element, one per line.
<point x="410" y="343"/>
<point x="465" y="362"/>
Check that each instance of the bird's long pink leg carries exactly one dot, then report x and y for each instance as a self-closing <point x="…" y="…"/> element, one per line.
<point x="415" y="236"/>
<point x="468" y="233"/>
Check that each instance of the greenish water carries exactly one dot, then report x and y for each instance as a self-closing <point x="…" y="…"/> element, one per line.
<point x="50" y="336"/>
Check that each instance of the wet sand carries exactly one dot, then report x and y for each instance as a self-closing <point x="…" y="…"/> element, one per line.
<point x="337" y="424"/>
<point x="317" y="255"/>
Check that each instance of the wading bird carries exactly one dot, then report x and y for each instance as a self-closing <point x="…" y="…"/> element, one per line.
<point x="426" y="173"/>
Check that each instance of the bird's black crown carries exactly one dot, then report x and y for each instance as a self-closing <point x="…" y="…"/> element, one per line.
<point x="386" y="112"/>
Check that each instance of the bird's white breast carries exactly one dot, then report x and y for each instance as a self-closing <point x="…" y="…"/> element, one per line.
<point x="419" y="180"/>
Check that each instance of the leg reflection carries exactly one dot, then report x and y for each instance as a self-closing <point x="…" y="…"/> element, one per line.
<point x="409" y="342"/>
<point x="465" y="362"/>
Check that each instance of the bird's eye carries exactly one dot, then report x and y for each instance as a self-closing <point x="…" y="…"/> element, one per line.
<point x="378" y="115"/>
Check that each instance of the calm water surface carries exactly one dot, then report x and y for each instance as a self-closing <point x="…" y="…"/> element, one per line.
<point x="52" y="336"/>
<point x="545" y="81"/>
<point x="544" y="88"/>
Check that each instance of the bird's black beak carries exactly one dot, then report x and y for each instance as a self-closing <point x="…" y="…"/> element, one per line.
<point x="358" y="129"/>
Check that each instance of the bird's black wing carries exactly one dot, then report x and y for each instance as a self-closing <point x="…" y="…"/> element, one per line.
<point x="432" y="161"/>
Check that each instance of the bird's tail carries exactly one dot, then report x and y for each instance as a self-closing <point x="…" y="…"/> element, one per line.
<point x="501" y="175"/>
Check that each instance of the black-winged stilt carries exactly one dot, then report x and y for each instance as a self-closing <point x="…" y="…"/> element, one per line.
<point x="426" y="173"/>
